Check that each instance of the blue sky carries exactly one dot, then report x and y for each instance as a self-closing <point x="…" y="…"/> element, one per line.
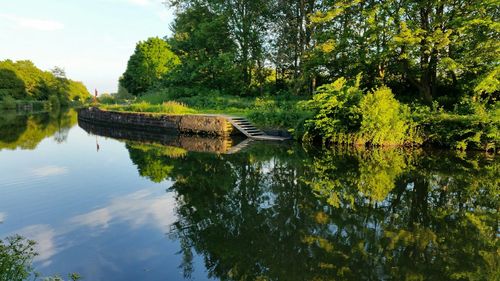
<point x="91" y="39"/>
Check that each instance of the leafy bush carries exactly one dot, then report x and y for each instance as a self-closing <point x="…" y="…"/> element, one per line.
<point x="16" y="256"/>
<point x="8" y="102"/>
<point x="107" y="99"/>
<point x="343" y="115"/>
<point x="54" y="102"/>
<point x="384" y="121"/>
<point x="462" y="131"/>
<point x="337" y="116"/>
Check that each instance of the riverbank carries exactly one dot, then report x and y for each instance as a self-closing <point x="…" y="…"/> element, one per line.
<point x="464" y="128"/>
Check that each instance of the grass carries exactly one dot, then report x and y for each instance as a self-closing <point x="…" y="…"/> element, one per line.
<point x="170" y="107"/>
<point x="282" y="112"/>
<point x="267" y="112"/>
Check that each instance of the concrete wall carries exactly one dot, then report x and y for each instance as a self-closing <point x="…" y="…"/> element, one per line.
<point x="187" y="124"/>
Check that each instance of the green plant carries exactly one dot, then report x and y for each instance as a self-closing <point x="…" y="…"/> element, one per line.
<point x="54" y="102"/>
<point x="16" y="256"/>
<point x="107" y="99"/>
<point x="8" y="102"/>
<point x="383" y="121"/>
<point x="337" y="113"/>
<point x="174" y="107"/>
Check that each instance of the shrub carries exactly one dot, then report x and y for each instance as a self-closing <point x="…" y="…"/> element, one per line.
<point x="8" y="102"/>
<point x="16" y="257"/>
<point x="337" y="116"/>
<point x="383" y="121"/>
<point x="107" y="99"/>
<point x="54" y="102"/>
<point x="462" y="131"/>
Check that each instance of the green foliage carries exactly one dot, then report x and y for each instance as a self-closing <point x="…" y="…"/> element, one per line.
<point x="54" y="102"/>
<point x="107" y="98"/>
<point x="384" y="121"/>
<point x="433" y="48"/>
<point x="16" y="257"/>
<point x="337" y="114"/>
<point x="208" y="55"/>
<point x="8" y="102"/>
<point x="22" y="80"/>
<point x="152" y="59"/>
<point x="123" y="94"/>
<point x="489" y="85"/>
<point x="462" y="131"/>
<point x="268" y="112"/>
<point x="170" y="107"/>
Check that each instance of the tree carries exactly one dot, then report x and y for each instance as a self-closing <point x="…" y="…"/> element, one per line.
<point x="208" y="55"/>
<point x="152" y="59"/>
<point x="431" y="47"/>
<point x="23" y="80"/>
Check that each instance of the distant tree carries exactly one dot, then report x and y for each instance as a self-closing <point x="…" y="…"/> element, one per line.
<point x="22" y="80"/>
<point x="58" y="72"/>
<point x="151" y="60"/>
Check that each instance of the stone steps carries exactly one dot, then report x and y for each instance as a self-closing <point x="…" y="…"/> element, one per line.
<point x="249" y="130"/>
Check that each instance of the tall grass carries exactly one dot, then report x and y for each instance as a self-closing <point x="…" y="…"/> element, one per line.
<point x="170" y="107"/>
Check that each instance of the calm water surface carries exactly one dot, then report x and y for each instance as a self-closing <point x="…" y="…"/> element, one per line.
<point x="116" y="209"/>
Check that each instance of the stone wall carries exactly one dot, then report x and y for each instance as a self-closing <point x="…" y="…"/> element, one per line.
<point x="187" y="124"/>
<point x="216" y="144"/>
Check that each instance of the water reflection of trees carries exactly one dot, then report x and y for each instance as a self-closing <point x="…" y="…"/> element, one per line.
<point x="27" y="131"/>
<point x="276" y="213"/>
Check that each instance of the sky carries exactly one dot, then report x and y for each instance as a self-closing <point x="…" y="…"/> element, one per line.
<point x="91" y="40"/>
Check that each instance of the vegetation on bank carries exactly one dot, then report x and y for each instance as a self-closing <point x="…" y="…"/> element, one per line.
<point x="23" y="82"/>
<point x="341" y="113"/>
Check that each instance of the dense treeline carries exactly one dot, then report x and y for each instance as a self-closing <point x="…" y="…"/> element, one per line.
<point x="420" y="60"/>
<point x="22" y="80"/>
<point x="427" y="49"/>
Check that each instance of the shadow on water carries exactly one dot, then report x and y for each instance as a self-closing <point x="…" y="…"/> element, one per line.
<point x="275" y="212"/>
<point x="26" y="131"/>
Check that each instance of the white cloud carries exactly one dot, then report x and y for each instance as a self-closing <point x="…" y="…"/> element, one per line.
<point x="46" y="171"/>
<point x="3" y="216"/>
<point x="45" y="246"/>
<point x="32" y="23"/>
<point x="137" y="209"/>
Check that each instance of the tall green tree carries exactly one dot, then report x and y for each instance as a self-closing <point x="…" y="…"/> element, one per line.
<point x="430" y="47"/>
<point x="247" y="24"/>
<point x="151" y="60"/>
<point x="291" y="40"/>
<point x="203" y="42"/>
